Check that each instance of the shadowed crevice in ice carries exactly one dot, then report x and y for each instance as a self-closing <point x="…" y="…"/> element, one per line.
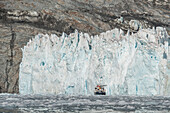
<point x="76" y="63"/>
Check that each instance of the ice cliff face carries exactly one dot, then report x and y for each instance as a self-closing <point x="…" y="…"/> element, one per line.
<point x="135" y="64"/>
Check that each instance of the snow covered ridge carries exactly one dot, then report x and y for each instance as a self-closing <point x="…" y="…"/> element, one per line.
<point x="74" y="64"/>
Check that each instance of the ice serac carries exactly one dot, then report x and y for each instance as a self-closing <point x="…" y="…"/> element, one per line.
<point x="136" y="64"/>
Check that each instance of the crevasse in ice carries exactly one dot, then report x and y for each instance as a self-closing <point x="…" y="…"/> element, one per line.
<point x="136" y="64"/>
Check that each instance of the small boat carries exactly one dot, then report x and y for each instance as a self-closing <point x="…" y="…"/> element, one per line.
<point x="99" y="90"/>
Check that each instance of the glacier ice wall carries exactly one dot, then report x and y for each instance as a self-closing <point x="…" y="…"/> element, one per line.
<point x="136" y="64"/>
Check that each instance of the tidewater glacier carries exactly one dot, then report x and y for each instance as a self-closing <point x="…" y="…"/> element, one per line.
<point x="129" y="64"/>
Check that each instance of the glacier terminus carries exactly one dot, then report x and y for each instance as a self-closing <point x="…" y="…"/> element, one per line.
<point x="128" y="63"/>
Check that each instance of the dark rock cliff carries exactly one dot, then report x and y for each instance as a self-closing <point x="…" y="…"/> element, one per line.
<point x="20" y="20"/>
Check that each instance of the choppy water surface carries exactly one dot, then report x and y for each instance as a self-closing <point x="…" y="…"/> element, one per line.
<point x="84" y="104"/>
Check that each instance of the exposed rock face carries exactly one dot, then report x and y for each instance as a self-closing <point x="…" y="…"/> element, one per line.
<point x="20" y="20"/>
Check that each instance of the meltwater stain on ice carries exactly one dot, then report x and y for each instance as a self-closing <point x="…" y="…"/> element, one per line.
<point x="74" y="64"/>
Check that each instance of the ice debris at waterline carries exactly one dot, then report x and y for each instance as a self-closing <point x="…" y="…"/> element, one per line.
<point x="136" y="64"/>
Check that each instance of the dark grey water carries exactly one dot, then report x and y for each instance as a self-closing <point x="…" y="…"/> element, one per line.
<point x="84" y="104"/>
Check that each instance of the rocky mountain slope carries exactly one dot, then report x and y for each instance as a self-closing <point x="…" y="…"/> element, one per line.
<point x="20" y="20"/>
